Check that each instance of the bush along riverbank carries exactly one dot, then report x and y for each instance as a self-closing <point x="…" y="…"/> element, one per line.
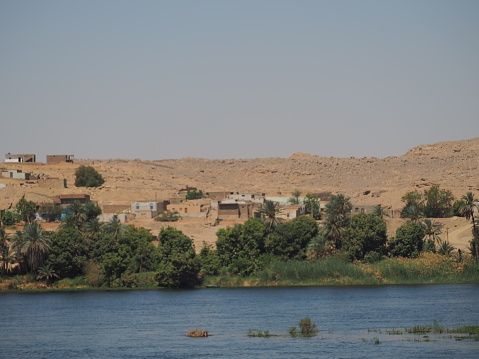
<point x="428" y="268"/>
<point x="341" y="250"/>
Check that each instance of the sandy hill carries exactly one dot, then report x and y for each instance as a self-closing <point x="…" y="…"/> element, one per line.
<point x="452" y="165"/>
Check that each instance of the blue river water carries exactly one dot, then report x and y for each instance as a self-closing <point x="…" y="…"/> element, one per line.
<point x="153" y="323"/>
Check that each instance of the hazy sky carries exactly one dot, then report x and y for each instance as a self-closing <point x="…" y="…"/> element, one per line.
<point x="236" y="79"/>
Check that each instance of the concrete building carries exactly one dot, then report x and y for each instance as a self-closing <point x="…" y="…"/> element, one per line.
<point x="363" y="208"/>
<point x="20" y="158"/>
<point x="66" y="199"/>
<point x="231" y="208"/>
<point x="252" y="197"/>
<point x="191" y="208"/>
<point x="147" y="209"/>
<point x="218" y="195"/>
<point x="19" y="174"/>
<point x="51" y="159"/>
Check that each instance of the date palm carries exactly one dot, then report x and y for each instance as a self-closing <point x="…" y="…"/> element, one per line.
<point x="46" y="273"/>
<point x="269" y="212"/>
<point x="468" y="207"/>
<point x="35" y="244"/>
<point x="432" y="230"/>
<point x="413" y="213"/>
<point x="115" y="227"/>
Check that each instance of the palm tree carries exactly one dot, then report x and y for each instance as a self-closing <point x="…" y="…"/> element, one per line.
<point x="468" y="207"/>
<point x="79" y="216"/>
<point x="268" y="212"/>
<point x="295" y="199"/>
<point x="91" y="227"/>
<point x="332" y="229"/>
<point x="379" y="211"/>
<point x="115" y="227"/>
<point x="6" y="256"/>
<point x="432" y="230"/>
<point x="47" y="273"/>
<point x="35" y="244"/>
<point x="413" y="212"/>
<point x="445" y="248"/>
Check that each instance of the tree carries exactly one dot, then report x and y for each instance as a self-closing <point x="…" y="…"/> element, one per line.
<point x="68" y="253"/>
<point x="35" y="244"/>
<point x="9" y="218"/>
<point x="412" y="212"/>
<point x="269" y="212"/>
<point x="46" y="273"/>
<point x="438" y="202"/>
<point x="290" y="239"/>
<point x="408" y="242"/>
<point x="337" y="218"/>
<point x="87" y="176"/>
<point x="178" y="267"/>
<point x="27" y="210"/>
<point x="6" y="255"/>
<point x="115" y="227"/>
<point x="380" y="211"/>
<point x="194" y="194"/>
<point x="311" y="203"/>
<point x="432" y="230"/>
<point x="319" y="247"/>
<point x="50" y="211"/>
<point x="468" y="207"/>
<point x="241" y="244"/>
<point x="295" y="199"/>
<point x="367" y="233"/>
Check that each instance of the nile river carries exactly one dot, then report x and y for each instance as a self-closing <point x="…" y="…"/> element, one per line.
<point x="153" y="323"/>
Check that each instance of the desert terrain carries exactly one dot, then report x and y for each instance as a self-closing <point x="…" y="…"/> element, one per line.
<point x="367" y="181"/>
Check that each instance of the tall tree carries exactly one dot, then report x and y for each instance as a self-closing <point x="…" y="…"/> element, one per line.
<point x="35" y="245"/>
<point x="269" y="212"/>
<point x="468" y="207"/>
<point x="87" y="176"/>
<point x="295" y="196"/>
<point x="26" y="209"/>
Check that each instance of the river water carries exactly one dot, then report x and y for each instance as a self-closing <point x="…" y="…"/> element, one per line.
<point x="153" y="323"/>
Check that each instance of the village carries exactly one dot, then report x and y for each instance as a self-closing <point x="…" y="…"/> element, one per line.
<point x="198" y="212"/>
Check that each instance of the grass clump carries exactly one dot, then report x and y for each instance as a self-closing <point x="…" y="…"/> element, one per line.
<point x="258" y="333"/>
<point x="306" y="329"/>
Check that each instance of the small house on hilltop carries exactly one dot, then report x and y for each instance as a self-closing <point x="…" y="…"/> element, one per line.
<point x="52" y="159"/>
<point x="20" y="158"/>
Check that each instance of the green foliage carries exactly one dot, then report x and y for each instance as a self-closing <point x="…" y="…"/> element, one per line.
<point x="367" y="233"/>
<point x="338" y="215"/>
<point x="194" y="194"/>
<point x="269" y="212"/>
<point x="178" y="267"/>
<point x="34" y="244"/>
<point x="319" y="247"/>
<point x="168" y="217"/>
<point x="306" y="328"/>
<point x="325" y="271"/>
<point x="50" y="212"/>
<point x="456" y="208"/>
<point x="295" y="199"/>
<point x="290" y="239"/>
<point x="210" y="261"/>
<point x="9" y="218"/>
<point x="240" y="246"/>
<point x="311" y="203"/>
<point x="87" y="176"/>
<point x="46" y="273"/>
<point x="26" y="209"/>
<point x="68" y="253"/>
<point x="408" y="241"/>
<point x="433" y="203"/>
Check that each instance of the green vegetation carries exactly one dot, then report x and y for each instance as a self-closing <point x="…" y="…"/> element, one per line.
<point x="307" y="329"/>
<point x="342" y="250"/>
<point x="433" y="203"/>
<point x="87" y="176"/>
<point x="194" y="194"/>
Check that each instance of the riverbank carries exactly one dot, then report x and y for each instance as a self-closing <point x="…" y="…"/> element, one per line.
<point x="428" y="268"/>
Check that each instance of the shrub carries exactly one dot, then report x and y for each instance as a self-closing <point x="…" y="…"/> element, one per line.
<point x="87" y="176"/>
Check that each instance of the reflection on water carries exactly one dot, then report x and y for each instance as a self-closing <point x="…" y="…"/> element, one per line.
<point x="153" y="324"/>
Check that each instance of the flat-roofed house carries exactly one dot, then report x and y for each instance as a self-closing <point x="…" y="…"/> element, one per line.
<point x="20" y="158"/>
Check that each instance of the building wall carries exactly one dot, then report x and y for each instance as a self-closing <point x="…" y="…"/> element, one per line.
<point x="59" y="158"/>
<point x="185" y="208"/>
<point x="147" y="209"/>
<point x="20" y="158"/>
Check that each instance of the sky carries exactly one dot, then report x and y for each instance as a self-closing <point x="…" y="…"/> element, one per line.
<point x="236" y="79"/>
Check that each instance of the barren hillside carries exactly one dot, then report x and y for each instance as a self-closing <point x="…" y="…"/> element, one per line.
<point x="453" y="165"/>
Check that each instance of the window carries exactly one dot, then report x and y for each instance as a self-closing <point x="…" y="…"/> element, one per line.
<point x="137" y="206"/>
